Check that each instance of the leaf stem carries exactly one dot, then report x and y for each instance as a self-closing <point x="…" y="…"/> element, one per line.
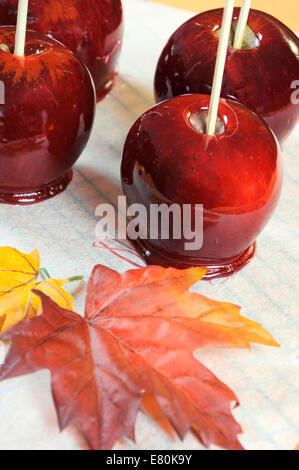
<point x="76" y="278"/>
<point x="44" y="274"/>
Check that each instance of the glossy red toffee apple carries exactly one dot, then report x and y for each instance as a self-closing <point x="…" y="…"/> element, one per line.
<point x="236" y="174"/>
<point x="46" y="117"/>
<point x="92" y="29"/>
<point x="260" y="75"/>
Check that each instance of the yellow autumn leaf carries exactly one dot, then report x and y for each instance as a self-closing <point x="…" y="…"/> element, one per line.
<point x="18" y="277"/>
<point x="18" y="271"/>
<point x="53" y="288"/>
<point x="14" y="307"/>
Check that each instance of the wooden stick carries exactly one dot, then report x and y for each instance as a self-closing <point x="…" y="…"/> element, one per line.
<point x="21" y="28"/>
<point x="242" y="22"/>
<point x="220" y="64"/>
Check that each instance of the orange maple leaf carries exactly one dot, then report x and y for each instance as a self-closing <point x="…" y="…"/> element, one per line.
<point x="138" y="335"/>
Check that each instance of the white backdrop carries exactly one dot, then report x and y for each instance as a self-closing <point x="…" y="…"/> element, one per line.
<point x="266" y="380"/>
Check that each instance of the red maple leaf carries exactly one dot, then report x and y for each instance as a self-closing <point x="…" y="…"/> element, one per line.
<point x="139" y="334"/>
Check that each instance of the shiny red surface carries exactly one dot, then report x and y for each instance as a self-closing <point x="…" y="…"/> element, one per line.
<point x="46" y="118"/>
<point x="259" y="77"/>
<point x="92" y="29"/>
<point x="236" y="175"/>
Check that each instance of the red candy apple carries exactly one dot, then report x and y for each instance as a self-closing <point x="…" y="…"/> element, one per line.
<point x="92" y="29"/>
<point x="260" y="75"/>
<point x="45" y="119"/>
<point x="236" y="175"/>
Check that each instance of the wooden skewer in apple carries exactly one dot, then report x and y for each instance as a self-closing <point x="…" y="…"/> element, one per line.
<point x="21" y="28"/>
<point x="242" y="23"/>
<point x="219" y="67"/>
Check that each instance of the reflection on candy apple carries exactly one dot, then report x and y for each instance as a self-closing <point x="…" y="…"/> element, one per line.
<point x="92" y="29"/>
<point x="46" y="115"/>
<point x="260" y="75"/>
<point x="236" y="174"/>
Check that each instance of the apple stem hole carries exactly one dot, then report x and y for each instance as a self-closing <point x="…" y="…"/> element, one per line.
<point x="5" y="47"/>
<point x="249" y="41"/>
<point x="199" y="121"/>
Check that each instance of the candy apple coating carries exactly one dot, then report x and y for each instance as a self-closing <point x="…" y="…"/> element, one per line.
<point x="46" y="116"/>
<point x="260" y="75"/>
<point x="92" y="29"/>
<point x="236" y="175"/>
